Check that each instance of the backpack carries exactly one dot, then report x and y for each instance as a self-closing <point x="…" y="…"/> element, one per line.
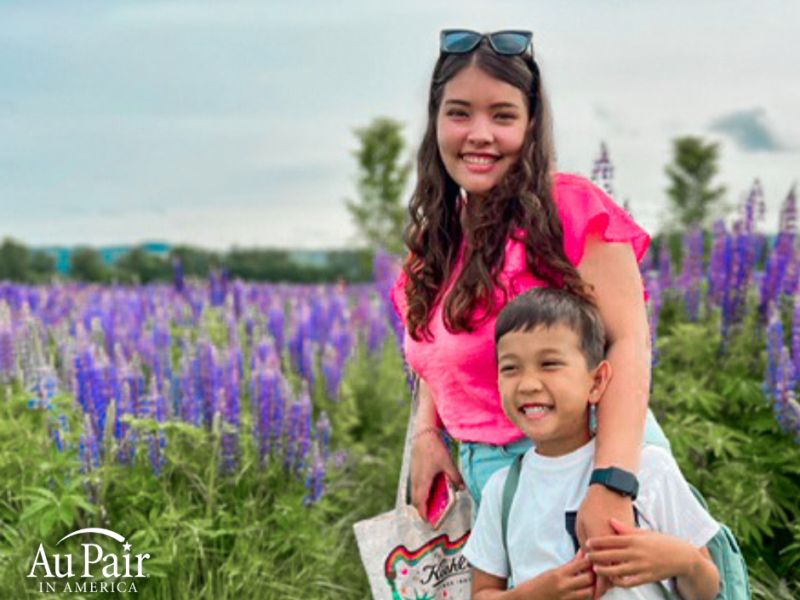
<point x="723" y="548"/>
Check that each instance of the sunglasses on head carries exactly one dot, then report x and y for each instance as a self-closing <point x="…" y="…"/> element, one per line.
<point x="507" y="43"/>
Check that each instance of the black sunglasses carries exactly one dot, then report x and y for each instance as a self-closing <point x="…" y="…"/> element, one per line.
<point x="507" y="43"/>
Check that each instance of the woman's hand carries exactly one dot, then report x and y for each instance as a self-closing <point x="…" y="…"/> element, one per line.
<point x="429" y="456"/>
<point x="598" y="507"/>
<point x="634" y="557"/>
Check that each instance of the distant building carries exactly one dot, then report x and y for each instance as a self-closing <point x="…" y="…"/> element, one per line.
<point x="109" y="254"/>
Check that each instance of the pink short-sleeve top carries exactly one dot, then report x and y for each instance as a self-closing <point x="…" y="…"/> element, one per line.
<point x="461" y="368"/>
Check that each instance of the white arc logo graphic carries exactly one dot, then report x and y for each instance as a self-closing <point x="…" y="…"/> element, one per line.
<point x="100" y="530"/>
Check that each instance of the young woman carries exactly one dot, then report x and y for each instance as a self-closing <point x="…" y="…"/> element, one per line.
<point x="490" y="219"/>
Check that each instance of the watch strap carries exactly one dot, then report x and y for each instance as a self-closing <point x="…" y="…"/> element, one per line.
<point x="618" y="480"/>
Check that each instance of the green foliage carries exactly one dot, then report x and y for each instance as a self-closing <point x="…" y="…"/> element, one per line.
<point x="383" y="174"/>
<point x="248" y="534"/>
<point x="210" y="535"/>
<point x="691" y="191"/>
<point x="86" y="264"/>
<point x="725" y="437"/>
<point x="19" y="263"/>
<point x="197" y="262"/>
<point x="259" y="264"/>
<point x="140" y="266"/>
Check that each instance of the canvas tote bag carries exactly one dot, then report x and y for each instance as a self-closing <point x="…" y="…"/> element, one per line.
<point x="405" y="558"/>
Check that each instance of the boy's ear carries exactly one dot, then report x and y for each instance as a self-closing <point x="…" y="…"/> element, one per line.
<point x="602" y="375"/>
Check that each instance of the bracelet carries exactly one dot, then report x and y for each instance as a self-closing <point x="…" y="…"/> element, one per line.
<point x="426" y="430"/>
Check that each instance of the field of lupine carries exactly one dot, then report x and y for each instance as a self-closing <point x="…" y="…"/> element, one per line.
<point x="235" y="431"/>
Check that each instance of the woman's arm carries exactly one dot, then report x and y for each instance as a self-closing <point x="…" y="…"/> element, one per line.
<point x="429" y="454"/>
<point x="612" y="270"/>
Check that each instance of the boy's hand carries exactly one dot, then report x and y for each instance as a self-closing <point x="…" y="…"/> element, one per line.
<point x="593" y="520"/>
<point x="572" y="581"/>
<point x="635" y="556"/>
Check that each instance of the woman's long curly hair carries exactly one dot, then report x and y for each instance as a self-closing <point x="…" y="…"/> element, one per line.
<point x="523" y="199"/>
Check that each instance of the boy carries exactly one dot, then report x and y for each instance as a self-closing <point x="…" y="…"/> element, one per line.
<point x="550" y="347"/>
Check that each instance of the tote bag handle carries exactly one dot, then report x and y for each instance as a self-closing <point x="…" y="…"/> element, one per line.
<point x="405" y="468"/>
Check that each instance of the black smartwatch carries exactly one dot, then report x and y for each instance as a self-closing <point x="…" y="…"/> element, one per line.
<point x="617" y="480"/>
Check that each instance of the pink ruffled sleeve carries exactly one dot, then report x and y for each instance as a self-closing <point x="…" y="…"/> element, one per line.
<point x="398" y="296"/>
<point x="587" y="210"/>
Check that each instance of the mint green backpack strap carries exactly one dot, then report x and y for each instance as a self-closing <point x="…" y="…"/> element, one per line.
<point x="509" y="490"/>
<point x="727" y="556"/>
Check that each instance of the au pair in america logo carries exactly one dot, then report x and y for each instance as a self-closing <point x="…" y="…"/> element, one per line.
<point x="92" y="570"/>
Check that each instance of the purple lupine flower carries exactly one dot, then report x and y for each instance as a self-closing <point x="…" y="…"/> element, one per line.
<point x="230" y="411"/>
<point x="249" y="330"/>
<point x="741" y="256"/>
<point x="692" y="271"/>
<point x="664" y="267"/>
<point x="719" y="264"/>
<point x="646" y="264"/>
<point x="8" y="359"/>
<point x="293" y="426"/>
<point x="603" y="171"/>
<point x="343" y="340"/>
<point x="89" y="447"/>
<point x="178" y="276"/>
<point x="307" y="361"/>
<point x="266" y="394"/>
<point x="315" y="481"/>
<point x="318" y="319"/>
<point x="337" y="307"/>
<point x="376" y="333"/>
<point x="775" y="364"/>
<point x="785" y="406"/>
<point x="332" y="369"/>
<point x="780" y="274"/>
<point x="796" y="336"/>
<point x="753" y="209"/>
<point x="323" y="431"/>
<point x="124" y="407"/>
<point x="788" y="217"/>
<point x="386" y="268"/>
<point x="210" y="379"/>
<point x="238" y="298"/>
<point x="276" y="323"/>
<point x="57" y="428"/>
<point x="360" y="317"/>
<point x="655" y="293"/>
<point x="792" y="276"/>
<point x="304" y="437"/>
<point x="777" y="267"/>
<point x="217" y="287"/>
<point x="298" y="434"/>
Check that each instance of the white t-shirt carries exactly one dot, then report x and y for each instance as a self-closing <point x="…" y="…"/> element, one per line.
<point x="549" y="488"/>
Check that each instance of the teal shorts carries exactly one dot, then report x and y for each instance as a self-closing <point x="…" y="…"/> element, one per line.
<point x="479" y="461"/>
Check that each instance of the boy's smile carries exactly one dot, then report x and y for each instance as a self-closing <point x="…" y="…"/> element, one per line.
<point x="547" y="386"/>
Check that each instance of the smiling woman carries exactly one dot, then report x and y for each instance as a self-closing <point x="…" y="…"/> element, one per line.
<point x="489" y="219"/>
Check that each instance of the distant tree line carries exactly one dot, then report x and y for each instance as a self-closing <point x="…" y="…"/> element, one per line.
<point x="22" y="264"/>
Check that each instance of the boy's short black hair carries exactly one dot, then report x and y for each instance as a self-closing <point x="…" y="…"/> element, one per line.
<point x="550" y="306"/>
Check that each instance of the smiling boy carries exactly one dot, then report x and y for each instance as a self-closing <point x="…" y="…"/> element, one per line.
<point x="551" y="370"/>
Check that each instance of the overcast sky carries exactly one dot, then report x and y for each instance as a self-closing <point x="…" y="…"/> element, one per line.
<point x="222" y="123"/>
